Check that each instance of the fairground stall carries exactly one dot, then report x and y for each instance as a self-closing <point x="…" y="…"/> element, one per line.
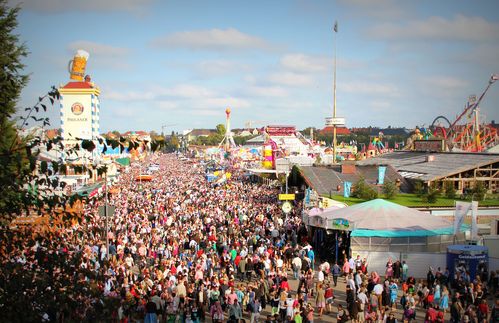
<point x="379" y="230"/>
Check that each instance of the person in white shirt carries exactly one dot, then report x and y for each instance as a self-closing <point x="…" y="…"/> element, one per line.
<point x="351" y="283"/>
<point x="320" y="276"/>
<point x="363" y="302"/>
<point x="296" y="264"/>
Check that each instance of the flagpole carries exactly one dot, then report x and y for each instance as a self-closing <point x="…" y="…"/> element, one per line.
<point x="335" y="29"/>
<point x="454" y="222"/>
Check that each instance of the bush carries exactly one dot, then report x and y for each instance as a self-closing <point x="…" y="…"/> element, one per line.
<point x="431" y="195"/>
<point x="449" y="190"/>
<point x="479" y="191"/>
<point x="363" y="191"/>
<point x="390" y="189"/>
<point x="418" y="188"/>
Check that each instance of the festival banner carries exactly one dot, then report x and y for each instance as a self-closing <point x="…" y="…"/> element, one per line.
<point x="462" y="209"/>
<point x="474" y="225"/>
<point x="381" y="174"/>
<point x="307" y="196"/>
<point x="347" y="186"/>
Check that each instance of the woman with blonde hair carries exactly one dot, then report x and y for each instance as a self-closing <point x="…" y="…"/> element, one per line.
<point x="320" y="299"/>
<point x="444" y="300"/>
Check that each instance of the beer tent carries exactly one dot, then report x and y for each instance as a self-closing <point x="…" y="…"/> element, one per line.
<point x="380" y="225"/>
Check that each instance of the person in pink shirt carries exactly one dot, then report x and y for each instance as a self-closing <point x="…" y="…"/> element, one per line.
<point x="346" y="268"/>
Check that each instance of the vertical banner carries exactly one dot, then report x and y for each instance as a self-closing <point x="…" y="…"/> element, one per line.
<point x="347" y="186"/>
<point x="381" y="174"/>
<point x="307" y="196"/>
<point x="474" y="224"/>
<point x="462" y="209"/>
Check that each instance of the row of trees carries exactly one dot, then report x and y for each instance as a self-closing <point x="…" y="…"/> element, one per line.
<point x="366" y="192"/>
<point x="427" y="194"/>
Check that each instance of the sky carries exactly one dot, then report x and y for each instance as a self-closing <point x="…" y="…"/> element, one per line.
<point x="178" y="64"/>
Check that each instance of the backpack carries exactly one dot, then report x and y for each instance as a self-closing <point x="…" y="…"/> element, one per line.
<point x="403" y="301"/>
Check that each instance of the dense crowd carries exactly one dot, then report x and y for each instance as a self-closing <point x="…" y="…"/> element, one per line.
<point x="183" y="249"/>
<point x="398" y="297"/>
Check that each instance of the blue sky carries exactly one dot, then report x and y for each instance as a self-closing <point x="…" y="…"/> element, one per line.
<point x="182" y="63"/>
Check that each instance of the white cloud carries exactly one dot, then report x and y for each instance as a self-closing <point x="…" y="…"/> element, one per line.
<point x="290" y="79"/>
<point x="127" y="96"/>
<point x="187" y="97"/>
<point x="167" y="105"/>
<point x="460" y="28"/>
<point x="57" y="6"/>
<point x="483" y="54"/>
<point x="102" y="55"/>
<point x="214" y="39"/>
<point x="380" y="105"/>
<point x="382" y="9"/>
<point x="445" y="83"/>
<point x="224" y="102"/>
<point x="184" y="91"/>
<point x="371" y="88"/>
<point x="305" y="63"/>
<point x="98" y="49"/>
<point x="266" y="91"/>
<point x="221" y="67"/>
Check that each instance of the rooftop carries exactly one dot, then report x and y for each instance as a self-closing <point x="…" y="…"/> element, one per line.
<point x="412" y="164"/>
<point x="325" y="179"/>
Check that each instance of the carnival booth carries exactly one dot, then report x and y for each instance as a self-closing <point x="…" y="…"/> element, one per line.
<point x="379" y="230"/>
<point x="470" y="259"/>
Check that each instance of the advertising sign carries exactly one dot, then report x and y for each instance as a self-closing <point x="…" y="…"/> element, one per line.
<point x="286" y="197"/>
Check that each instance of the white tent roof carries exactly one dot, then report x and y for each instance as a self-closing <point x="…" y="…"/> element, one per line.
<point x="382" y="218"/>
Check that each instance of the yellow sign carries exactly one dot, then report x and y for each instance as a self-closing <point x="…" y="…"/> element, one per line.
<point x="286" y="197"/>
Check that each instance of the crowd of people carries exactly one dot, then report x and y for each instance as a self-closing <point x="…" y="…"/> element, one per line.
<point x="183" y="249"/>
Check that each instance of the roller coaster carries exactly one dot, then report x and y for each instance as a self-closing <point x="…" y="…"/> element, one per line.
<point x="470" y="136"/>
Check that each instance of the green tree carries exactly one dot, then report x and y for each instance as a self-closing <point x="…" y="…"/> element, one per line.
<point x="363" y="191"/>
<point x="449" y="190"/>
<point x="221" y="129"/>
<point x="390" y="189"/>
<point x="418" y="187"/>
<point x="479" y="191"/>
<point x="13" y="160"/>
<point x="431" y="195"/>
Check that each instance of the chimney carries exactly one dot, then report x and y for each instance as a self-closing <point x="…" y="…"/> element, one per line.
<point x="348" y="167"/>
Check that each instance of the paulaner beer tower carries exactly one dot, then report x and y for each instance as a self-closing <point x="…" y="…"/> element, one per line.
<point x="80" y="106"/>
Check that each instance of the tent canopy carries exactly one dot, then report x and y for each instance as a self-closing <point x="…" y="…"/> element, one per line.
<point x="380" y="218"/>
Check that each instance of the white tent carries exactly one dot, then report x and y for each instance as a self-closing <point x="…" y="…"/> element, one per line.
<point x="379" y="225"/>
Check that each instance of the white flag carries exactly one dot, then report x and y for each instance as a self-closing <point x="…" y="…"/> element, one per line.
<point x="474" y="225"/>
<point x="462" y="209"/>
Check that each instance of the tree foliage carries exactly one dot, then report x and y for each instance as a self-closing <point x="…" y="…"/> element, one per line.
<point x="13" y="161"/>
<point x="418" y="187"/>
<point x="390" y="189"/>
<point x="363" y="191"/>
<point x="478" y="191"/>
<point x="449" y="190"/>
<point x="431" y="195"/>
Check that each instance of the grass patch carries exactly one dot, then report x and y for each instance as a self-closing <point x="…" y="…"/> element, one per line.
<point x="413" y="200"/>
